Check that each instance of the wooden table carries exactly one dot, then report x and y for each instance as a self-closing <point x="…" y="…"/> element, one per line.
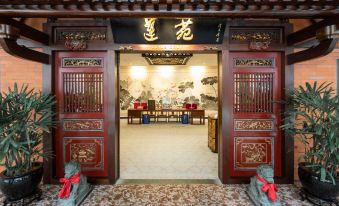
<point x="165" y="113"/>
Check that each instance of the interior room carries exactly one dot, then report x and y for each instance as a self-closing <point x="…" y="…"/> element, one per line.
<point x="168" y="111"/>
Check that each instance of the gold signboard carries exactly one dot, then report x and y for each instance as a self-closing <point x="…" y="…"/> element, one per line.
<point x="185" y="31"/>
<point x="149" y="25"/>
<point x="168" y="31"/>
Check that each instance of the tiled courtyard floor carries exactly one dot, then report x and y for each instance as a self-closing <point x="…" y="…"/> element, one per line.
<point x="168" y="195"/>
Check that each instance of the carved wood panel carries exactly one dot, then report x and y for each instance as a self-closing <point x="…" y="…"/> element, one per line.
<point x="256" y="136"/>
<point x="82" y="62"/>
<point x="253" y="124"/>
<point x="244" y="35"/>
<point x="76" y="38"/>
<point x="213" y="134"/>
<point x="61" y="34"/>
<point x="88" y="151"/>
<point x="256" y="38"/>
<point x="250" y="152"/>
<point x="82" y="125"/>
<point x="82" y="92"/>
<point x="81" y="105"/>
<point x="253" y="62"/>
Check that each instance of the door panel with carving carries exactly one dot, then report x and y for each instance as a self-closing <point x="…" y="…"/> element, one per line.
<point x="256" y="137"/>
<point x="80" y="91"/>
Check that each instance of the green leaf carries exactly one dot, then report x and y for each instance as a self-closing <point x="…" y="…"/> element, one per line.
<point x="13" y="143"/>
<point x="332" y="178"/>
<point x="322" y="174"/>
<point x="24" y="116"/>
<point x="312" y="115"/>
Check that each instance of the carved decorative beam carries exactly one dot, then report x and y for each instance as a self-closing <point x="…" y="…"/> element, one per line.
<point x="8" y="41"/>
<point x="327" y="37"/>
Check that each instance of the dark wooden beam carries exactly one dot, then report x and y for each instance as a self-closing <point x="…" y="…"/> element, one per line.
<point x="323" y="48"/>
<point x="12" y="48"/>
<point x="11" y="30"/>
<point x="310" y="31"/>
<point x="169" y="8"/>
<point x="27" y="31"/>
<point x="118" y="12"/>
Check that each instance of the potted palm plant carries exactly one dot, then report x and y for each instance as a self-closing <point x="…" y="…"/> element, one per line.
<point x="313" y="118"/>
<point x="24" y="116"/>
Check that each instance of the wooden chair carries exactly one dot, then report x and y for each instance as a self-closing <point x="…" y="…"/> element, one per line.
<point x="162" y="115"/>
<point x="173" y="115"/>
<point x="152" y="115"/>
<point x="197" y="114"/>
<point x="132" y="114"/>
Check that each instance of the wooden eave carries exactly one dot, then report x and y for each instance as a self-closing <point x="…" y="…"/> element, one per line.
<point x="11" y="30"/>
<point x="170" y="8"/>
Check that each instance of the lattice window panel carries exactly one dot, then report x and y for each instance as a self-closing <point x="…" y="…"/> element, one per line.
<point x="253" y="92"/>
<point x="83" y="92"/>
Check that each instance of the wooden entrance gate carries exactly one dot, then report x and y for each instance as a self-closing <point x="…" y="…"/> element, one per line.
<point x="250" y="82"/>
<point x="255" y="137"/>
<point x="81" y="83"/>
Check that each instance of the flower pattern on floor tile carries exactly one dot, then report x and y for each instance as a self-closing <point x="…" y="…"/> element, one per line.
<point x="169" y="195"/>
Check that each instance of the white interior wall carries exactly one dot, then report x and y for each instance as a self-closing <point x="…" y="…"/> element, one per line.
<point x="139" y="80"/>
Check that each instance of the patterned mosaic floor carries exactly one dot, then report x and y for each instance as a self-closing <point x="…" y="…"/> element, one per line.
<point x="168" y="195"/>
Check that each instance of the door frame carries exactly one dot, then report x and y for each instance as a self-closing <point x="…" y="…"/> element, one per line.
<point x="287" y="83"/>
<point x="186" y="48"/>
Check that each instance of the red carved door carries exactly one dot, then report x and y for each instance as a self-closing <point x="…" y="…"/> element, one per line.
<point x="80" y="91"/>
<point x="256" y="137"/>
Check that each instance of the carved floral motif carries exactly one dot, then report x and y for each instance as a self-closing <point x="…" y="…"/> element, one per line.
<point x="253" y="152"/>
<point x="83" y="125"/>
<point x="252" y="36"/>
<point x="257" y="40"/>
<point x="168" y="61"/>
<point x="253" y="125"/>
<point x="82" y="35"/>
<point x="167" y="58"/>
<point x="75" y="45"/>
<point x="83" y="152"/>
<point x="212" y="136"/>
<point x="250" y="152"/>
<point x="126" y="48"/>
<point x="88" y="151"/>
<point x="82" y="62"/>
<point x="77" y="39"/>
<point x="253" y="62"/>
<point x="259" y="45"/>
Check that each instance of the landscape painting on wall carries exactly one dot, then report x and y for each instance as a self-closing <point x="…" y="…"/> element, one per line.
<point x="175" y="87"/>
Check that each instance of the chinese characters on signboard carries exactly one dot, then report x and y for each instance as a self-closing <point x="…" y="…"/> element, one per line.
<point x="168" y="31"/>
<point x="150" y="29"/>
<point x="184" y="31"/>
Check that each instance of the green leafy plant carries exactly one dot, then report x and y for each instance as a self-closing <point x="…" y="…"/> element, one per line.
<point x="313" y="118"/>
<point x="24" y="116"/>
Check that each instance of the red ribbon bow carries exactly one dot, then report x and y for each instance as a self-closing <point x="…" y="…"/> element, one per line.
<point x="66" y="188"/>
<point x="271" y="188"/>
